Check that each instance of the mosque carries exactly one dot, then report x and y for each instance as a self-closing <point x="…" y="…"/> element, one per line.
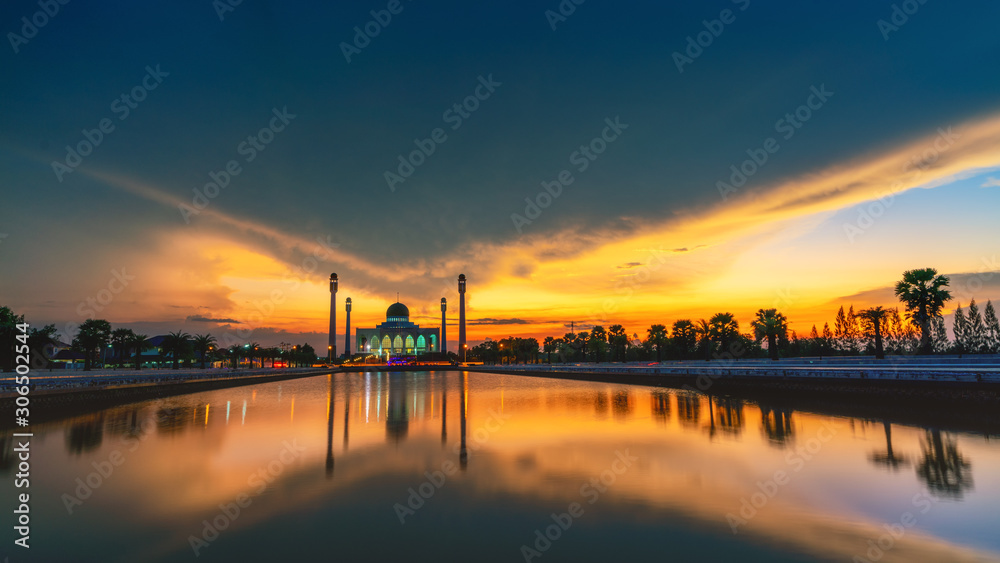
<point x="397" y="336"/>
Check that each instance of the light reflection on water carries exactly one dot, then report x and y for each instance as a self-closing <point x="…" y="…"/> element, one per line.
<point x="336" y="466"/>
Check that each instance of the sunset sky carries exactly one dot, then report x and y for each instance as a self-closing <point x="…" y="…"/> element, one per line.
<point x="895" y="166"/>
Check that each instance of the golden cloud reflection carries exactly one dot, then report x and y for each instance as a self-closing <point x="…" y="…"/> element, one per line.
<point x="782" y="479"/>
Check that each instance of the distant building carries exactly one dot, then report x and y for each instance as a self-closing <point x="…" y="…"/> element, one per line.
<point x="397" y="336"/>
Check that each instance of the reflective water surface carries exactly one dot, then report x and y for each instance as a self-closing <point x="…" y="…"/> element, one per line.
<point x="481" y="467"/>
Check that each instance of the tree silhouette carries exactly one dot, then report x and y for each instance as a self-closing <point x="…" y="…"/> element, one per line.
<point x="942" y="466"/>
<point x="91" y="336"/>
<point x="685" y="337"/>
<point x="175" y="344"/>
<point x="873" y="320"/>
<point x="120" y="338"/>
<point x="770" y="324"/>
<point x="657" y="336"/>
<point x="138" y="342"/>
<point x="922" y="292"/>
<point x="202" y="343"/>
<point x="723" y="330"/>
<point x="8" y="330"/>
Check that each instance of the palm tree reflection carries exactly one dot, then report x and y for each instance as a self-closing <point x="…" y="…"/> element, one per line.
<point x="730" y="414"/>
<point x="777" y="425"/>
<point x="689" y="409"/>
<point x="888" y="458"/>
<point x="661" y="406"/>
<point x="947" y="473"/>
<point x="86" y="435"/>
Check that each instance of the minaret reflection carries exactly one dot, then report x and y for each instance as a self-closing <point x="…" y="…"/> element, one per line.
<point x="444" y="410"/>
<point x="329" y="430"/>
<point x="347" y="410"/>
<point x="463" y="453"/>
<point x="397" y="419"/>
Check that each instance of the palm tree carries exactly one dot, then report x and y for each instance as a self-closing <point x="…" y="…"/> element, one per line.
<point x="548" y="345"/>
<point x="138" y="343"/>
<point x="923" y="293"/>
<point x="91" y="336"/>
<point x="39" y="341"/>
<point x="723" y="329"/>
<point x="175" y="344"/>
<point x="685" y="337"/>
<point x="202" y="343"/>
<point x="657" y="335"/>
<point x="703" y="330"/>
<point x="770" y="324"/>
<point x="598" y="339"/>
<point x="872" y="321"/>
<point x="618" y="340"/>
<point x="8" y="330"/>
<point x="120" y="338"/>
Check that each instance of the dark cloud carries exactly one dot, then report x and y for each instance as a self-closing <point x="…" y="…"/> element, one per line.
<point x="629" y="265"/>
<point x="489" y="321"/>
<point x="204" y="319"/>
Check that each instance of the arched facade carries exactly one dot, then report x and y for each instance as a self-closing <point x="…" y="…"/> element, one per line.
<point x="397" y="336"/>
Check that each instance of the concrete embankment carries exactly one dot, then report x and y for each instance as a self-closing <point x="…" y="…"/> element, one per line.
<point x="858" y="375"/>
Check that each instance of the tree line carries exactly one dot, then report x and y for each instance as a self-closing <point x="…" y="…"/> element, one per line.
<point x="918" y="329"/>
<point x="96" y="337"/>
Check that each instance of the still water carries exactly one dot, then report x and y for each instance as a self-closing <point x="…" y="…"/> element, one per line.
<point x="440" y="466"/>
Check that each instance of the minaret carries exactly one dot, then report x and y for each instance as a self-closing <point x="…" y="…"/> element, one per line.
<point x="461" y="318"/>
<point x="443" y="346"/>
<point x="347" y="329"/>
<point x="331" y="349"/>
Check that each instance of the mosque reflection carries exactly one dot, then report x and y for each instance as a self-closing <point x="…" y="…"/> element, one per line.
<point x="405" y="402"/>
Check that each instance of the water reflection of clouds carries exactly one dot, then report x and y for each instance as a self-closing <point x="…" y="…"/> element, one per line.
<point x="698" y="456"/>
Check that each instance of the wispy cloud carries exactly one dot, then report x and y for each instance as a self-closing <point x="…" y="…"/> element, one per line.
<point x="991" y="182"/>
<point x="204" y="319"/>
<point x="489" y="321"/>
